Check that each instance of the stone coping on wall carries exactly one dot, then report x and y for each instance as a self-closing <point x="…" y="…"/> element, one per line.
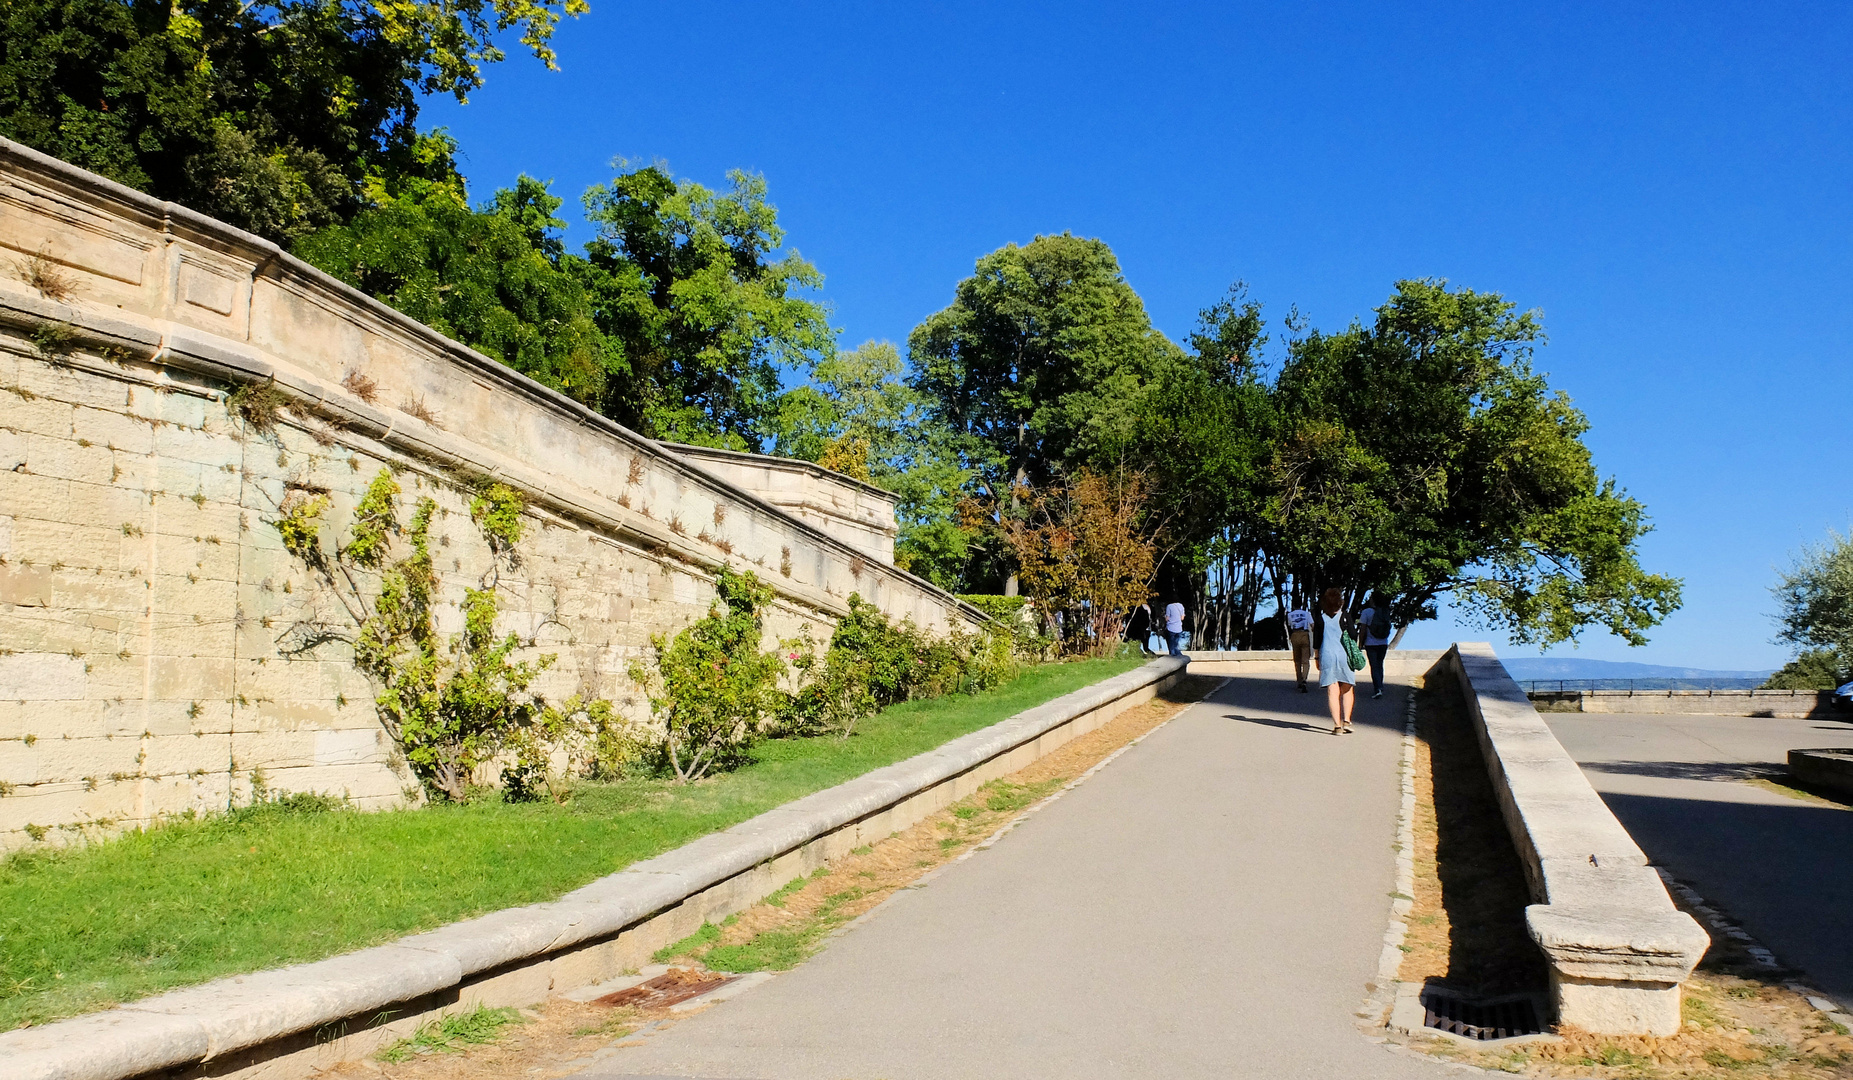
<point x="1787" y="704"/>
<point x="1424" y="657"/>
<point x="221" y="1020"/>
<point x="1618" y="948"/>
<point x="799" y="465"/>
<point x="159" y="284"/>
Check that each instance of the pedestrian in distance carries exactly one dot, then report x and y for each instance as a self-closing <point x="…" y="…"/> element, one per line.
<point x="1300" y="636"/>
<point x="1174" y="627"/>
<point x="1330" y="626"/>
<point x="1377" y="631"/>
<point x="1139" y="625"/>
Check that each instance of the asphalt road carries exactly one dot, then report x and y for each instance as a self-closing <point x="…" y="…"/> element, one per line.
<point x="1209" y="905"/>
<point x="1780" y="867"/>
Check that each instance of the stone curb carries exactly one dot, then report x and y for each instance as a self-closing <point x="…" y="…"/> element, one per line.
<point x="211" y="1021"/>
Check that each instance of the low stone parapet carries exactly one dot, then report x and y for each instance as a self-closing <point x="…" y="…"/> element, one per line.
<point x="1829" y="767"/>
<point x="1236" y="662"/>
<point x="1790" y="704"/>
<point x="293" y="1022"/>
<point x="1618" y="948"/>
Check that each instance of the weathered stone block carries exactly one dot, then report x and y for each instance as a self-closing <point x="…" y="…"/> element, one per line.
<point x="42" y="677"/>
<point x="112" y="430"/>
<point x="190" y="677"/>
<point x="40" y="416"/>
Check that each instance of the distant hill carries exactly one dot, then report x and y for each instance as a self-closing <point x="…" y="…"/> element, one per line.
<point x="1555" y="667"/>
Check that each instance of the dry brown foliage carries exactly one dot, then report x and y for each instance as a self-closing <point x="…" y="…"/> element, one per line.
<point x="362" y="387"/>
<point x="1085" y="548"/>
<point x="45" y="275"/>
<point x="416" y="408"/>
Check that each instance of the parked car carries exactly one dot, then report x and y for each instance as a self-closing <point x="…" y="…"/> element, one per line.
<point x="1843" y="698"/>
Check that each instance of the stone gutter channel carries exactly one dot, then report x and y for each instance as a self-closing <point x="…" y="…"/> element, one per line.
<point x="293" y="1021"/>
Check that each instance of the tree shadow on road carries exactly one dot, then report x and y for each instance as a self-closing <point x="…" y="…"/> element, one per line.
<point x="1689" y="770"/>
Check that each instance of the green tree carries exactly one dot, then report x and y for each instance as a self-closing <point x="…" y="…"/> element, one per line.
<point x="1813" y="669"/>
<point x="490" y="277"/>
<point x="1206" y="436"/>
<point x="686" y="282"/>
<point x="271" y="114"/>
<point x="1815" y="614"/>
<point x="1423" y="456"/>
<point x="1040" y="362"/>
<point x="858" y="415"/>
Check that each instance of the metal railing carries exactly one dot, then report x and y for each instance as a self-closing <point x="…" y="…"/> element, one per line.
<point x="1564" y="686"/>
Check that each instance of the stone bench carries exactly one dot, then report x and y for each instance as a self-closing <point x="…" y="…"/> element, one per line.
<point x="1618" y="948"/>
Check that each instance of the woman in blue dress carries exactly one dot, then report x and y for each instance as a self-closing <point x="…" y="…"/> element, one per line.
<point x="1330" y="624"/>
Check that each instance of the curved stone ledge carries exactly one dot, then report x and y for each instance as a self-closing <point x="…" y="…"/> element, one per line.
<point x="1829" y="767"/>
<point x="290" y="1021"/>
<point x="1618" y="948"/>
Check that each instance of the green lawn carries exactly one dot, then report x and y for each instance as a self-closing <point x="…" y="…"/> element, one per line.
<point x="193" y="900"/>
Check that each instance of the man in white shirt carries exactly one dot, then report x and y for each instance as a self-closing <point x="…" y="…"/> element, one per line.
<point x="1174" y="626"/>
<point x="1300" y="634"/>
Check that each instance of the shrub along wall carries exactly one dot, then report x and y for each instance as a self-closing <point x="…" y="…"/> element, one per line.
<point x="165" y="631"/>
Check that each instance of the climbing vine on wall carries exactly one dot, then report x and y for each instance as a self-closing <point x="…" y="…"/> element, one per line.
<point x="453" y="703"/>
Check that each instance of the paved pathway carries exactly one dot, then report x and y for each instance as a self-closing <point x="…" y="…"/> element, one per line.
<point x="1209" y="905"/>
<point x="1782" y="868"/>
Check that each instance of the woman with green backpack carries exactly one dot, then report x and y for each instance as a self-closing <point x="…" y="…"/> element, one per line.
<point x="1335" y="650"/>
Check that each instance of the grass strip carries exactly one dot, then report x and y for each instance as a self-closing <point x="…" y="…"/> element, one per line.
<point x="453" y="1034"/>
<point x="189" y="901"/>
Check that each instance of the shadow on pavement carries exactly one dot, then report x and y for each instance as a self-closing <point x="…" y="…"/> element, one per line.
<point x="1690" y="770"/>
<point x="1782" y="871"/>
<point x="1285" y="725"/>
<point x="1278" y="695"/>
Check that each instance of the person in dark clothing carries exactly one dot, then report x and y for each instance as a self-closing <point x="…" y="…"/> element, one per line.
<point x="1375" y="621"/>
<point x="1139" y="625"/>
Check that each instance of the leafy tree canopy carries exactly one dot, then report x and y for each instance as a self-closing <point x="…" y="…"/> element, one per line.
<point x="1040" y="361"/>
<point x="1815" y="612"/>
<point x="856" y="415"/>
<point x="1422" y="455"/>
<point x="688" y="282"/>
<point x="490" y="277"/>
<point x="675" y="320"/>
<point x="270" y="114"/>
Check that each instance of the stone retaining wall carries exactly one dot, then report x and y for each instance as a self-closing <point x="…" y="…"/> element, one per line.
<point x="1794" y="704"/>
<point x="1396" y="662"/>
<point x="157" y="642"/>
<point x="1618" y="948"/>
<point x="290" y="1023"/>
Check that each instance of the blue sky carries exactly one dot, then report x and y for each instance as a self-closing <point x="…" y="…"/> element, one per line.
<point x="1668" y="184"/>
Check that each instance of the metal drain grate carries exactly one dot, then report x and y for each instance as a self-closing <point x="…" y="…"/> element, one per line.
<point x="1501" y="1018"/>
<point x="670" y="988"/>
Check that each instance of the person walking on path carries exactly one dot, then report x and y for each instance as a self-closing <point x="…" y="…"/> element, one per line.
<point x="1377" y="631"/>
<point x="1329" y="629"/>
<point x="1300" y="636"/>
<point x="1139" y="625"/>
<point x="1174" y="627"/>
